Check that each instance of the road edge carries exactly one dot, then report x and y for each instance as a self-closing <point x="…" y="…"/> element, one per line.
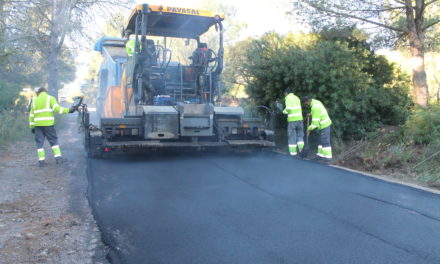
<point x="387" y="179"/>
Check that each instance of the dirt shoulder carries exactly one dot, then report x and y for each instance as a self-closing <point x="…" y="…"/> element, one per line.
<point x="44" y="212"/>
<point x="385" y="156"/>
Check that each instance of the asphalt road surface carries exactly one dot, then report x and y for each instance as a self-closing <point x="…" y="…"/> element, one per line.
<point x="259" y="208"/>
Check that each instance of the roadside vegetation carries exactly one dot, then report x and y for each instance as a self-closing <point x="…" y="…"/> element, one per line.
<point x="405" y="144"/>
<point x="34" y="52"/>
<point x="376" y="126"/>
<point x="13" y="121"/>
<point x="13" y="126"/>
<point x="408" y="152"/>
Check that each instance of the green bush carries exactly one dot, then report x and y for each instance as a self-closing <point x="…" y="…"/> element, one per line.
<point x="14" y="125"/>
<point x="423" y="127"/>
<point x="360" y="89"/>
<point x="8" y="94"/>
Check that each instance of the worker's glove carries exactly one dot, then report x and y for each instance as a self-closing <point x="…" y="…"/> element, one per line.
<point x="279" y="106"/>
<point x="33" y="130"/>
<point x="72" y="109"/>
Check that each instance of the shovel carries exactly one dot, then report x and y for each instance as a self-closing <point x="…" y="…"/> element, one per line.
<point x="306" y="148"/>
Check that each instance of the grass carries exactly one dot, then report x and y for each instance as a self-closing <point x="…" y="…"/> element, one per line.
<point x="390" y="153"/>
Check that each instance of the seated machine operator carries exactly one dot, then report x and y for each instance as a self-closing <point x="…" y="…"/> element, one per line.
<point x="201" y="56"/>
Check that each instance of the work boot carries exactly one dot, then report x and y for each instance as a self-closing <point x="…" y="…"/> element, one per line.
<point x="60" y="160"/>
<point x="41" y="163"/>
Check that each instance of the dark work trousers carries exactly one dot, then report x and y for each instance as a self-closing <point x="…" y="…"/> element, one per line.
<point x="295" y="136"/>
<point x="42" y="132"/>
<point x="324" y="137"/>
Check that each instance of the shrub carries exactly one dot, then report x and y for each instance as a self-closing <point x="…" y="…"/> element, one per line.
<point x="423" y="127"/>
<point x="14" y="125"/>
<point x="360" y="89"/>
<point x="8" y="94"/>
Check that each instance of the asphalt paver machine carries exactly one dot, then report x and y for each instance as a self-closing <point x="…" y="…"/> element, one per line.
<point x="149" y="100"/>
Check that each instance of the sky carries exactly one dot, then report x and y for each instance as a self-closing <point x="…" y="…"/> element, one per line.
<point x="259" y="16"/>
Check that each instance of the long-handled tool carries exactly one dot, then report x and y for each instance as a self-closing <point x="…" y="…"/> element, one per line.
<point x="306" y="148"/>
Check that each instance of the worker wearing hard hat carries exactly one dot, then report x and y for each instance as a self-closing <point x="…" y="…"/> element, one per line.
<point x="322" y="122"/>
<point x="295" y="127"/>
<point x="41" y="122"/>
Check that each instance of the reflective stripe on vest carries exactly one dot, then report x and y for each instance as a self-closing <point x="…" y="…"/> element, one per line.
<point x="323" y="120"/>
<point x="293" y="108"/>
<point x="44" y="118"/>
<point x="42" y="111"/>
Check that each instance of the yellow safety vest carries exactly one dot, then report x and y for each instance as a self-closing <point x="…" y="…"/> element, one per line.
<point x="42" y="108"/>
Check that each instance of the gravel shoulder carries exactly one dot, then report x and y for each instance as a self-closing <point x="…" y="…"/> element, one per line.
<point x="44" y="213"/>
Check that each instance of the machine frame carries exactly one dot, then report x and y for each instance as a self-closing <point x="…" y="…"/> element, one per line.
<point x="153" y="103"/>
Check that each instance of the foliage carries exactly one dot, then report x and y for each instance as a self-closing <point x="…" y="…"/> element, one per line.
<point x="235" y="77"/>
<point x="428" y="168"/>
<point x="389" y="21"/>
<point x="13" y="122"/>
<point x="25" y="45"/>
<point x="408" y="21"/>
<point x="8" y="94"/>
<point x="390" y="151"/>
<point x="35" y="36"/>
<point x="360" y="89"/>
<point x="423" y="127"/>
<point x="89" y="89"/>
<point x="13" y="126"/>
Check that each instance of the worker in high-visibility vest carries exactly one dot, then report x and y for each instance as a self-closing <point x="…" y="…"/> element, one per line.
<point x="42" y="121"/>
<point x="129" y="47"/>
<point x="322" y="122"/>
<point x="295" y="126"/>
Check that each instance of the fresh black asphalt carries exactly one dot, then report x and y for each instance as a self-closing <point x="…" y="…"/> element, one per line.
<point x="260" y="208"/>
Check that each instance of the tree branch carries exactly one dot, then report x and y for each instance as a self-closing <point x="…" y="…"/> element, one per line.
<point x="341" y="14"/>
<point x="431" y="24"/>
<point x="431" y="2"/>
<point x="44" y="15"/>
<point x="420" y="10"/>
<point x="376" y="10"/>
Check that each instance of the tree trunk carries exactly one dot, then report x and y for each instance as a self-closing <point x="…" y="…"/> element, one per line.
<point x="420" y="84"/>
<point x="53" y="54"/>
<point x="2" y="38"/>
<point x="53" y="69"/>
<point x="2" y="18"/>
<point x="416" y="38"/>
<point x="438" y="95"/>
